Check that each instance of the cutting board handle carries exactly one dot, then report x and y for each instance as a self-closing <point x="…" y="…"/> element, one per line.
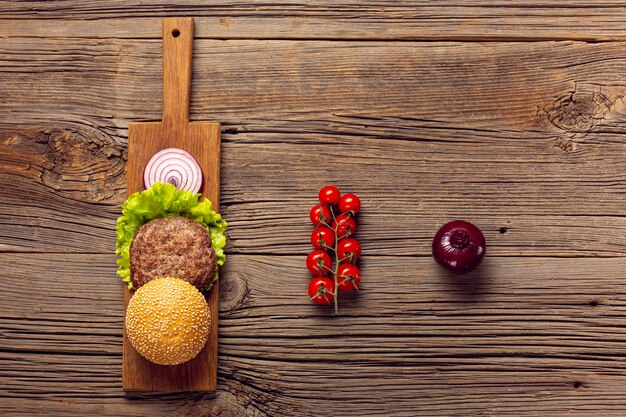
<point x="177" y="52"/>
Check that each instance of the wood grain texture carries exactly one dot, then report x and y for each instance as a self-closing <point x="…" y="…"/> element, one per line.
<point x="533" y="334"/>
<point x="523" y="137"/>
<point x="551" y="88"/>
<point x="597" y="20"/>
<point x="202" y="140"/>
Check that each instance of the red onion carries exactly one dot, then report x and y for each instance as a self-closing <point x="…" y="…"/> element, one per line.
<point x="176" y="167"/>
<point x="459" y="247"/>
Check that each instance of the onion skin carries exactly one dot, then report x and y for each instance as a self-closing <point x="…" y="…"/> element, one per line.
<point x="459" y="247"/>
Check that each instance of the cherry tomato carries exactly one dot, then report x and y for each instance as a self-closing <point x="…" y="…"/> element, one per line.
<point x="329" y="195"/>
<point x="319" y="263"/>
<point x="344" y="225"/>
<point x="350" y="203"/>
<point x="348" y="277"/>
<point x="323" y="238"/>
<point x="321" y="290"/>
<point x="320" y="215"/>
<point x="348" y="250"/>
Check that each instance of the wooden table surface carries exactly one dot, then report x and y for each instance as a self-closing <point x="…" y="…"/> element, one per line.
<point x="506" y="113"/>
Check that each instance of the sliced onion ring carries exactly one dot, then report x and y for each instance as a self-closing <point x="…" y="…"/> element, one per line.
<point x="176" y="167"/>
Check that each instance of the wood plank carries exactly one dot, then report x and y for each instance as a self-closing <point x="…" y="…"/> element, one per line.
<point x="441" y="392"/>
<point x="290" y="19"/>
<point x="551" y="210"/>
<point x="544" y="140"/>
<point x="549" y="87"/>
<point x="202" y="141"/>
<point x="523" y="341"/>
<point x="533" y="291"/>
<point x="530" y="178"/>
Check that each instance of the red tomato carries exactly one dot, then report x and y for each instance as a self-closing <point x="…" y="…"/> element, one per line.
<point x="321" y="290"/>
<point x="350" y="203"/>
<point x="320" y="215"/>
<point x="319" y="263"/>
<point x="344" y="225"/>
<point x="348" y="277"/>
<point x="323" y="238"/>
<point x="348" y="250"/>
<point x="329" y="195"/>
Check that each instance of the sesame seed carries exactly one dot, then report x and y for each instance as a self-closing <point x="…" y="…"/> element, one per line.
<point x="168" y="321"/>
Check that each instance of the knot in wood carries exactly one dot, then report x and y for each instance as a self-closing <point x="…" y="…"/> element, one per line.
<point x="579" y="112"/>
<point x="226" y="404"/>
<point x="233" y="291"/>
<point x="565" y="145"/>
<point x="87" y="166"/>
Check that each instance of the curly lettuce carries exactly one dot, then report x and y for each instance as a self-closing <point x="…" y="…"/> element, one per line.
<point x="165" y="200"/>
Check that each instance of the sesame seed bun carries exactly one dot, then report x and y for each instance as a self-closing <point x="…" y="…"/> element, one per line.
<point x="172" y="247"/>
<point x="168" y="321"/>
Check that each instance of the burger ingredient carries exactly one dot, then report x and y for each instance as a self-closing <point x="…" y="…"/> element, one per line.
<point x="350" y="203"/>
<point x="459" y="247"/>
<point x="329" y="195"/>
<point x="321" y="290"/>
<point x="344" y="275"/>
<point x="168" y="321"/>
<point x="348" y="250"/>
<point x="344" y="225"/>
<point x="175" y="247"/>
<point x="323" y="238"/>
<point x="318" y="262"/>
<point x="348" y="277"/>
<point x="164" y="200"/>
<point x="320" y="215"/>
<point x="173" y="166"/>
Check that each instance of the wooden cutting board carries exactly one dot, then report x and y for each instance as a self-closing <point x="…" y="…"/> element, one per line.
<point x="202" y="140"/>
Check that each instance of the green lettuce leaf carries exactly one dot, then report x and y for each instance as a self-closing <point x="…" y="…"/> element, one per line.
<point x="165" y="200"/>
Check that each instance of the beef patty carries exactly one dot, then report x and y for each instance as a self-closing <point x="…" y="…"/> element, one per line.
<point x="175" y="247"/>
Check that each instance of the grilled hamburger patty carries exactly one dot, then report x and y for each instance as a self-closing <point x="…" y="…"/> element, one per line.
<point x="175" y="247"/>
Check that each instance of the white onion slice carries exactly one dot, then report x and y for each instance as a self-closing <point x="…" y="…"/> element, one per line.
<point x="176" y="167"/>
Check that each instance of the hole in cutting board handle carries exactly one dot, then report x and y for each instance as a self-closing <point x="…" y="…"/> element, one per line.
<point x="176" y="33"/>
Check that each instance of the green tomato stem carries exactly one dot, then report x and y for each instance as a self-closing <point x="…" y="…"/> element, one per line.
<point x="336" y="294"/>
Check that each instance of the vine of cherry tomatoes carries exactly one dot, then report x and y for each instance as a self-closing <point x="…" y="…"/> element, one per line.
<point x="335" y="224"/>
